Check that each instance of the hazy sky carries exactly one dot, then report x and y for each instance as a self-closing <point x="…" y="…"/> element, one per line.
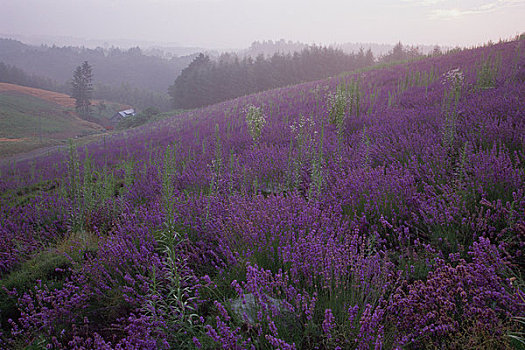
<point x="237" y="23"/>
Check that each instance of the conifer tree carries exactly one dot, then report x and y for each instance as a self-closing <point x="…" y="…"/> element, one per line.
<point x="82" y="88"/>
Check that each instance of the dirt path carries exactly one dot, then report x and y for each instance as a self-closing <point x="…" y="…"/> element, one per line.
<point x="36" y="153"/>
<point x="45" y="151"/>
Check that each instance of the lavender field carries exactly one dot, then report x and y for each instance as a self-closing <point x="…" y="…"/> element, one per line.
<point x="382" y="209"/>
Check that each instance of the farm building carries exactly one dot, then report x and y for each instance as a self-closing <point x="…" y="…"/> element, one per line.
<point x="122" y="114"/>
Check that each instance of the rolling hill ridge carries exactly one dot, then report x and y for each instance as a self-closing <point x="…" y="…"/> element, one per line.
<point x="31" y="118"/>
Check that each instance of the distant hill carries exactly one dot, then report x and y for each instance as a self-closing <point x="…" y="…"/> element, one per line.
<point x="128" y="76"/>
<point x="270" y="47"/>
<point x="151" y="48"/>
<point x="205" y="81"/>
<point x="32" y="118"/>
<point x="111" y="67"/>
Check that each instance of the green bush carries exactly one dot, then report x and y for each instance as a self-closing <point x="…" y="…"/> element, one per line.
<point x="50" y="267"/>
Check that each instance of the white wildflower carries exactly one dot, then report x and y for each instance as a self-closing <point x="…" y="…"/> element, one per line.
<point x="453" y="77"/>
<point x="256" y="121"/>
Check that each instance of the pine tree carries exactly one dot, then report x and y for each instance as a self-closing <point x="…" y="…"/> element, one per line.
<point x="82" y="88"/>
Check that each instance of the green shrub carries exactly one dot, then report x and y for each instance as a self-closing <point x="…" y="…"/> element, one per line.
<point x="50" y="267"/>
<point x="487" y="72"/>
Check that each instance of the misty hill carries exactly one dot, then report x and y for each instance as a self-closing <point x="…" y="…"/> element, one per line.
<point x="135" y="77"/>
<point x="210" y="80"/>
<point x="384" y="49"/>
<point x="14" y="75"/>
<point x="32" y="118"/>
<point x="270" y="47"/>
<point x="112" y="67"/>
<point x="151" y="48"/>
<point x="123" y="93"/>
<point x="206" y="81"/>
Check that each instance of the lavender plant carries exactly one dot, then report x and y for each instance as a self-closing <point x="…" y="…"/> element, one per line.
<point x="167" y="185"/>
<point x="343" y="103"/>
<point x="321" y="235"/>
<point x="74" y="188"/>
<point x="365" y="143"/>
<point x="453" y="80"/>
<point x="170" y="301"/>
<point x="304" y="135"/>
<point x="487" y="72"/>
<point x="318" y="163"/>
<point x="216" y="163"/>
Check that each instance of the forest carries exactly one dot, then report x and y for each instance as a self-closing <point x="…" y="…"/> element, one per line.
<point x="125" y="76"/>
<point x="207" y="81"/>
<point x="134" y="78"/>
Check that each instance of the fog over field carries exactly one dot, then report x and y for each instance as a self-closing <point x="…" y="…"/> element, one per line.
<point x="228" y="24"/>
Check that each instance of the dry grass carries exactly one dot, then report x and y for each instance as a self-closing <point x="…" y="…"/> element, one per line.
<point x="51" y="96"/>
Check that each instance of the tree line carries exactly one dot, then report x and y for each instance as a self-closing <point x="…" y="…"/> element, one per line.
<point x="124" y="76"/>
<point x="124" y="93"/>
<point x="206" y="81"/>
<point x="133" y="78"/>
<point x="113" y="66"/>
<point x="14" y="75"/>
<point x="401" y="53"/>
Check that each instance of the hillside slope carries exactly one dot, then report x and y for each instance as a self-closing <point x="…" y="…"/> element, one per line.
<point x="379" y="209"/>
<point x="112" y="67"/>
<point x="51" y="96"/>
<point x="32" y="118"/>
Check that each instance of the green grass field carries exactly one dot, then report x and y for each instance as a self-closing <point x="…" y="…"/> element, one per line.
<point x="24" y="116"/>
<point x="28" y="122"/>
